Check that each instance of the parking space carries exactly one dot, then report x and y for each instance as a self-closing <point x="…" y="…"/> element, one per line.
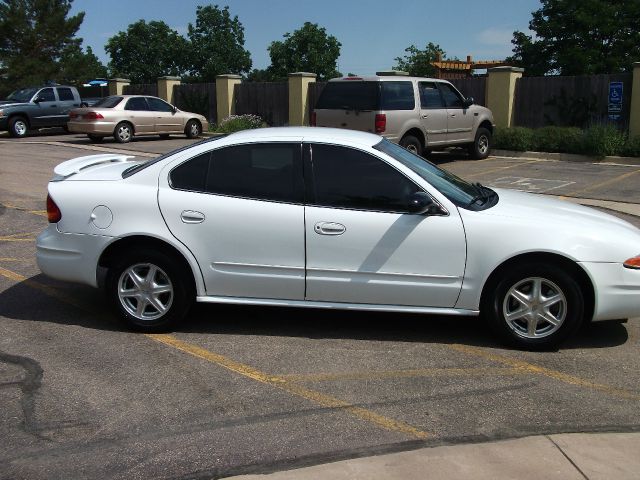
<point x="253" y="389"/>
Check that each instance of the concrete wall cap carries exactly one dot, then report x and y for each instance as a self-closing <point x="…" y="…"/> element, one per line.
<point x="231" y="76"/>
<point x="169" y="78"/>
<point x="122" y="80"/>
<point x="636" y="64"/>
<point x="302" y="74"/>
<point x="506" y="69"/>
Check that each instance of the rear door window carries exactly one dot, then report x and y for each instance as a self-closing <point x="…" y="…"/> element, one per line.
<point x="350" y="95"/>
<point x="65" y="94"/>
<point x="430" y="97"/>
<point x="397" y="96"/>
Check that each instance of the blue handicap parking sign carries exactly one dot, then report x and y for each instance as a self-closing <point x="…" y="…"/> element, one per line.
<point x="615" y="97"/>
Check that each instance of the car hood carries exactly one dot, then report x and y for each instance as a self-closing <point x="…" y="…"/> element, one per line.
<point x="12" y="103"/>
<point x="105" y="167"/>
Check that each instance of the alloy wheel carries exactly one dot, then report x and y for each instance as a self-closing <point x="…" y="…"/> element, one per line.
<point x="145" y="291"/>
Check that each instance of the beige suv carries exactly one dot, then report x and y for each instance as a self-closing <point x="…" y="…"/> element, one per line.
<point x="421" y="114"/>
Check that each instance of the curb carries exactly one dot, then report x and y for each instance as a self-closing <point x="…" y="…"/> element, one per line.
<point x="566" y="157"/>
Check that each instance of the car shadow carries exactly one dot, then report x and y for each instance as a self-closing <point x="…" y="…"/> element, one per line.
<point x="39" y="299"/>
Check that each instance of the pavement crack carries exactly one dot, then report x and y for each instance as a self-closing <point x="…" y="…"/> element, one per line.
<point x="567" y="457"/>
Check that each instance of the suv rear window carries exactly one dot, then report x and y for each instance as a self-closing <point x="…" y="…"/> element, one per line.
<point x="362" y="96"/>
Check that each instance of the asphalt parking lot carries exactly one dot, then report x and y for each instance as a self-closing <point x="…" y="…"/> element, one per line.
<point x="247" y="389"/>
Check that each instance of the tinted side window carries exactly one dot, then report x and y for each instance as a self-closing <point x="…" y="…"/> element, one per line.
<point x="46" y="95"/>
<point x="65" y="94"/>
<point x="397" y="96"/>
<point x="348" y="178"/>
<point x="430" y="95"/>
<point x="451" y="97"/>
<point x="157" y="105"/>
<point x="350" y="95"/>
<point x="191" y="175"/>
<point x="137" y="103"/>
<point x="108" y="102"/>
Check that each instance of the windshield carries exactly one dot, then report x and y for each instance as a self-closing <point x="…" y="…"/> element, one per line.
<point x="23" y="95"/>
<point x="108" y="102"/>
<point x="454" y="188"/>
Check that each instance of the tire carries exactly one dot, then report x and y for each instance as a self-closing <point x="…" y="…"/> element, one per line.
<point x="149" y="290"/>
<point x="95" y="138"/>
<point x="412" y="144"/>
<point x="18" y="127"/>
<point x="193" y="129"/>
<point x="65" y="128"/>
<point x="123" y="133"/>
<point x="527" y="327"/>
<point x="481" y="146"/>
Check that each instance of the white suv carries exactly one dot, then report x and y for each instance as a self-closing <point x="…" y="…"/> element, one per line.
<point x="421" y="114"/>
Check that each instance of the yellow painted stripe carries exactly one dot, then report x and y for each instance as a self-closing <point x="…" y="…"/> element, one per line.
<point x="10" y="259"/>
<point x="42" y="213"/>
<point x="498" y="169"/>
<point x="606" y="183"/>
<point x="410" y="373"/>
<point x="547" y="372"/>
<point x="290" y="387"/>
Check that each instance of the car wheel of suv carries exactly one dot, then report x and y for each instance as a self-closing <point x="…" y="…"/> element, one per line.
<point x="481" y="146"/>
<point x="149" y="290"/>
<point x="95" y="138"/>
<point x="123" y="132"/>
<point x="18" y="127"/>
<point x="535" y="306"/>
<point x="193" y="129"/>
<point x="412" y="144"/>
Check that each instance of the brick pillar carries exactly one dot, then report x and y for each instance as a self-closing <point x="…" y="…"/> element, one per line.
<point x="225" y="95"/>
<point x="299" y="97"/>
<point x="116" y="85"/>
<point x="634" y="119"/>
<point x="501" y="90"/>
<point x="165" y="88"/>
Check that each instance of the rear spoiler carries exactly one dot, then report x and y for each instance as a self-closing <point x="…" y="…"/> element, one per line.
<point x="76" y="165"/>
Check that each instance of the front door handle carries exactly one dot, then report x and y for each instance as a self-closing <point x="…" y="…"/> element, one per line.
<point x="191" y="216"/>
<point x="329" y="228"/>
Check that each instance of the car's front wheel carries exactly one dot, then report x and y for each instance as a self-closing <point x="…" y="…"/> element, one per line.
<point x="149" y="290"/>
<point x="481" y="145"/>
<point x="123" y="132"/>
<point x="535" y="306"/>
<point x="18" y="127"/>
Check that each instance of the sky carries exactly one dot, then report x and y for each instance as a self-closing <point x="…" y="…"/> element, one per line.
<point x="373" y="33"/>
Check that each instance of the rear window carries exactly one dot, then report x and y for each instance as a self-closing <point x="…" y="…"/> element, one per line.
<point x="108" y="102"/>
<point x="350" y="95"/>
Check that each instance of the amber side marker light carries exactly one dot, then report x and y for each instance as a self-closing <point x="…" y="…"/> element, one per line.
<point x="54" y="215"/>
<point x="633" y="263"/>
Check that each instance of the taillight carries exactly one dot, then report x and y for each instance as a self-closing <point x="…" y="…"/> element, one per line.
<point x="54" y="215"/>
<point x="381" y="122"/>
<point x="73" y="115"/>
<point x="312" y="120"/>
<point x="633" y="263"/>
<point x="92" y="116"/>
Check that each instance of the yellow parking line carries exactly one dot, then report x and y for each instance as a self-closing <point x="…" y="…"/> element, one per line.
<point x="19" y="237"/>
<point x="606" y="183"/>
<point x="410" y="373"/>
<point x="547" y="372"/>
<point x="11" y="259"/>
<point x="498" y="169"/>
<point x="42" y="213"/>
<point x="282" y="383"/>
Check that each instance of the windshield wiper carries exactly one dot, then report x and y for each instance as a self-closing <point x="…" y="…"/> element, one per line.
<point x="483" y="195"/>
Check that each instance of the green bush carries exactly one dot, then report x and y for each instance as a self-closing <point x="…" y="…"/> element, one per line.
<point x="632" y="147"/>
<point x="516" y="138"/>
<point x="235" y="123"/>
<point x="603" y="140"/>
<point x="557" y="139"/>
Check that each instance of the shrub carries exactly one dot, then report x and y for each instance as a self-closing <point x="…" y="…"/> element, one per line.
<point x="603" y="140"/>
<point x="516" y="138"/>
<point x="235" y="123"/>
<point x="632" y="147"/>
<point x="557" y="139"/>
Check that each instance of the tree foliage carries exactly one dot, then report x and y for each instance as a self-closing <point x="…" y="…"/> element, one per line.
<point x="217" y="44"/>
<point x="418" y="62"/>
<point x="34" y="37"/>
<point x="308" y="49"/>
<point x="580" y="37"/>
<point x="77" y="67"/>
<point x="147" y="51"/>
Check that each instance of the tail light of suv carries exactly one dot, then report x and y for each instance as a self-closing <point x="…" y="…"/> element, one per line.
<point x="54" y="215"/>
<point x="380" y="123"/>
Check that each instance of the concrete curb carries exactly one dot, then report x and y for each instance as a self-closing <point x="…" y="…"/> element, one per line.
<point x="565" y="157"/>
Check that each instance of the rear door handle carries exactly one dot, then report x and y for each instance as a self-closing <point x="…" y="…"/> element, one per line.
<point x="329" y="228"/>
<point x="191" y="216"/>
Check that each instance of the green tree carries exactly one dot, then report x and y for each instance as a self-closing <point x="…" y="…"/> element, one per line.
<point x="418" y="62"/>
<point x="147" y="51"/>
<point x="217" y="44"/>
<point x="33" y="36"/>
<point x="580" y="37"/>
<point x="77" y="67"/>
<point x="308" y="49"/>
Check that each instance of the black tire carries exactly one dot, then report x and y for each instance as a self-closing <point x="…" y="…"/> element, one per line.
<point x="95" y="138"/>
<point x="554" y="282"/>
<point x="164" y="136"/>
<point x="18" y="127"/>
<point x="65" y="128"/>
<point x="193" y="129"/>
<point x="169" y="274"/>
<point x="412" y="144"/>
<point x="481" y="146"/>
<point x="123" y="133"/>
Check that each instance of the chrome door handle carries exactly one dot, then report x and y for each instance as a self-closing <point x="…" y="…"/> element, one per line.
<point x="329" y="228"/>
<point x="191" y="216"/>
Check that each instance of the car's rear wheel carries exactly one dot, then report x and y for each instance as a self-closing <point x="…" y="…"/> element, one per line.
<point x="95" y="138"/>
<point x="149" y="290"/>
<point x="481" y="145"/>
<point x="412" y="144"/>
<point x="18" y="127"/>
<point x="193" y="129"/>
<point x="535" y="306"/>
<point x="123" y="132"/>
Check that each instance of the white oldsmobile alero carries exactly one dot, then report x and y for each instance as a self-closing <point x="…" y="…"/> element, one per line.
<point x="325" y="218"/>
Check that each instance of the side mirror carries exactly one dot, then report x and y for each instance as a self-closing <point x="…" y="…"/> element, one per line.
<point x="468" y="102"/>
<point x="421" y="203"/>
<point x="174" y="109"/>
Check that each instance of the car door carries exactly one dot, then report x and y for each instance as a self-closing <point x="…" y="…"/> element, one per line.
<point x="137" y="112"/>
<point x="460" y="120"/>
<point x="66" y="102"/>
<point x="46" y="112"/>
<point x="239" y="209"/>
<point x="433" y="113"/>
<point x="166" y="121"/>
<point x="363" y="246"/>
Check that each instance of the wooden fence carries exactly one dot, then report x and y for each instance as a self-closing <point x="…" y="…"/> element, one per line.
<point x="472" y="87"/>
<point x="93" y="92"/>
<point x="141" y="89"/>
<point x="198" y="98"/>
<point x="269" y="100"/>
<point x="577" y="101"/>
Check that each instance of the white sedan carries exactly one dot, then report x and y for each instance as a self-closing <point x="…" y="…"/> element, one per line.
<point x="324" y="218"/>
